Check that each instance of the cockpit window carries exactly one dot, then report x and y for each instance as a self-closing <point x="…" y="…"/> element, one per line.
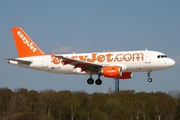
<point x="161" y="56"/>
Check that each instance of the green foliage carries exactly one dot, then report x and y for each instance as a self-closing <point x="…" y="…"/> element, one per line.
<point x="178" y="109"/>
<point x="22" y="104"/>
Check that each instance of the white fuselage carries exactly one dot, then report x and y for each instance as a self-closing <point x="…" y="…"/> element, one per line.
<point x="132" y="61"/>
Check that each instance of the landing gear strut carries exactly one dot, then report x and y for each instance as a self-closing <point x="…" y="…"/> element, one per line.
<point x="98" y="81"/>
<point x="149" y="78"/>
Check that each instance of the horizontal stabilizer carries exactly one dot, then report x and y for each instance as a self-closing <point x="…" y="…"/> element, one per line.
<point x="27" y="62"/>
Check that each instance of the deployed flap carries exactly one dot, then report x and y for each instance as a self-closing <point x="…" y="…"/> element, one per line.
<point x="27" y="62"/>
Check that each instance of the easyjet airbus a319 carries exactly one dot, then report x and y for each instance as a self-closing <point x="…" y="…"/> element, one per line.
<point x="118" y="65"/>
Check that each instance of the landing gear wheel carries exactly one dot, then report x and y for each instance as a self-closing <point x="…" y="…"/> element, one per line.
<point x="149" y="79"/>
<point x="90" y="81"/>
<point x="98" y="82"/>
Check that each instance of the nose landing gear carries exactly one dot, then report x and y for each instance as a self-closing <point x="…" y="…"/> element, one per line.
<point x="149" y="78"/>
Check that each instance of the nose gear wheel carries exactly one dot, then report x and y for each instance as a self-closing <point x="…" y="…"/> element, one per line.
<point x="149" y="78"/>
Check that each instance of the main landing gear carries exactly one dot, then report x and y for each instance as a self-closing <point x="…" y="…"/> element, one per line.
<point x="90" y="81"/>
<point x="149" y="78"/>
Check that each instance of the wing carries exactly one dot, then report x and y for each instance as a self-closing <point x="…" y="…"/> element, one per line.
<point x="27" y="62"/>
<point x="84" y="65"/>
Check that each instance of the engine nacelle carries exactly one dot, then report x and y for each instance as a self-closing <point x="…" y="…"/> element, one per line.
<point x="112" y="71"/>
<point x="115" y="72"/>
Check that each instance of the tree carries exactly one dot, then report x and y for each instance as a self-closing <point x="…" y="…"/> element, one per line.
<point x="178" y="108"/>
<point x="5" y="97"/>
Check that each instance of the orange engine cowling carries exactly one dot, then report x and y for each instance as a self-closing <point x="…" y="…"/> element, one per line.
<point x="112" y="71"/>
<point x="115" y="72"/>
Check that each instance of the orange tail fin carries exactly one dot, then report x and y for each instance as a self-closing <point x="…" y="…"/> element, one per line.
<point x="25" y="46"/>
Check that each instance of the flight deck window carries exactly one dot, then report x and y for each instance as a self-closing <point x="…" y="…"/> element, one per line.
<point x="161" y="56"/>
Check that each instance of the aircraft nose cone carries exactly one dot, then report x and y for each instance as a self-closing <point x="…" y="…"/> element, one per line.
<point x="171" y="62"/>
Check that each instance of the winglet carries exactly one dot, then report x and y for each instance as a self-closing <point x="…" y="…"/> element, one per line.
<point x="24" y="45"/>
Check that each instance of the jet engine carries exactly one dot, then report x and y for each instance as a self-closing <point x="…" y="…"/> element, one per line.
<point x="115" y="72"/>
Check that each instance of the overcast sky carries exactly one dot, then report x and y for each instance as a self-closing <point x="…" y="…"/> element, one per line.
<point x="66" y="26"/>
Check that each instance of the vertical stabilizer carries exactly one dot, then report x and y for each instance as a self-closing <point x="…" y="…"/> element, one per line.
<point x="25" y="46"/>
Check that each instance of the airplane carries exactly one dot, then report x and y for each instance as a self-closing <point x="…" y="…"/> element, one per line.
<point x="117" y="65"/>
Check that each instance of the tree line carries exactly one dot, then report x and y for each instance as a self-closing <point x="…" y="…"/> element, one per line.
<point x="23" y="104"/>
